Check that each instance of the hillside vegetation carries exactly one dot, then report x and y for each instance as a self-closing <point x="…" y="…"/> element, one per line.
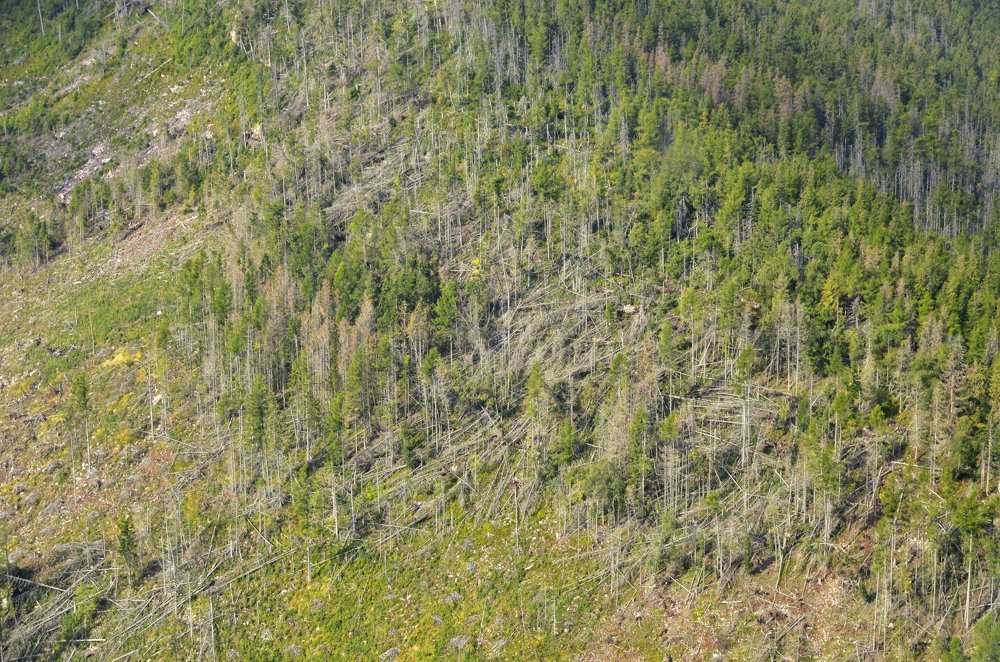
<point x="519" y="329"/>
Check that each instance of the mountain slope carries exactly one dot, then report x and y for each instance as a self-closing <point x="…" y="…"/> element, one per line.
<point x="521" y="330"/>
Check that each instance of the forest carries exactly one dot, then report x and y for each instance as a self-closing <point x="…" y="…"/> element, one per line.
<point x="499" y="329"/>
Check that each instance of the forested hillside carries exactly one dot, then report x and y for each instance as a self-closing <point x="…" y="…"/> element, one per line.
<point x="506" y="329"/>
